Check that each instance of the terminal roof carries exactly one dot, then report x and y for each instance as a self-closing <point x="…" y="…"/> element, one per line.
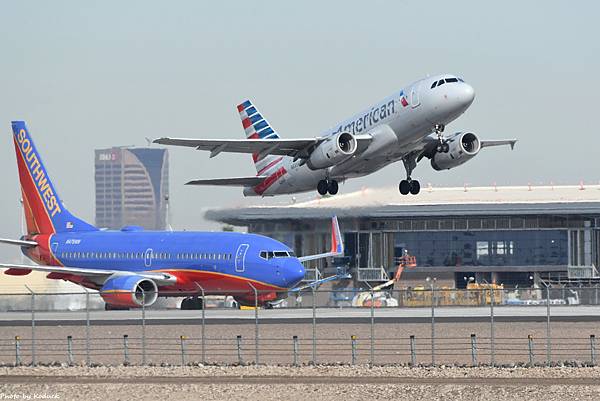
<point x="431" y="202"/>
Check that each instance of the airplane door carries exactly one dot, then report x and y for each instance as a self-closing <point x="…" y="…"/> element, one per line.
<point x="414" y="96"/>
<point x="240" y="257"/>
<point x="148" y="257"/>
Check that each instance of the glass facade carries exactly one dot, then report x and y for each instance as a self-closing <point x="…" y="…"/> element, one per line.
<point x="485" y="248"/>
<point x="132" y="187"/>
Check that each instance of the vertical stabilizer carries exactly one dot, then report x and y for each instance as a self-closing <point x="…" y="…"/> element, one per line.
<point x="44" y="211"/>
<point x="257" y="127"/>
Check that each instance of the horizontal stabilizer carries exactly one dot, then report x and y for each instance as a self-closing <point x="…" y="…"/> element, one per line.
<point x="28" y="244"/>
<point x="488" y="143"/>
<point x="230" y="182"/>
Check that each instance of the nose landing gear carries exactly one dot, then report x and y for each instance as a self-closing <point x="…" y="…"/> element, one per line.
<point x="442" y="146"/>
<point x="325" y="186"/>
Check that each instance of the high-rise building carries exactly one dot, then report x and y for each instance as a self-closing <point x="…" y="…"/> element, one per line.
<point x="132" y="187"/>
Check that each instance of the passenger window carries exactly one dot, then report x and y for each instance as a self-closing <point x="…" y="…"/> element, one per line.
<point x="433" y="85"/>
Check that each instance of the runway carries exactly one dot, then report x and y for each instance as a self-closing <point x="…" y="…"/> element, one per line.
<point x="297" y="316"/>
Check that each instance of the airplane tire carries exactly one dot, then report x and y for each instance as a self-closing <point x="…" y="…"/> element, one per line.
<point x="191" y="304"/>
<point x="333" y="187"/>
<point x="415" y="187"/>
<point x="404" y="187"/>
<point x="446" y="147"/>
<point x="322" y="187"/>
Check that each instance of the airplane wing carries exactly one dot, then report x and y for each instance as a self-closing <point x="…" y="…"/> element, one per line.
<point x="337" y="244"/>
<point x="297" y="148"/>
<point x="317" y="283"/>
<point x="160" y="278"/>
<point x="230" y="182"/>
<point x="487" y="143"/>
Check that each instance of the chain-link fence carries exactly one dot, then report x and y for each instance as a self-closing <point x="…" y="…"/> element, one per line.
<point x="433" y="326"/>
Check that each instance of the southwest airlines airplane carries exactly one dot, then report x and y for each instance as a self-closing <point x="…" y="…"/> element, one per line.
<point x="132" y="267"/>
<point x="407" y="126"/>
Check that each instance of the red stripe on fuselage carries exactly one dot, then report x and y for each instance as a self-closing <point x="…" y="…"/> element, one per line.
<point x="270" y="180"/>
<point x="268" y="166"/>
<point x="214" y="282"/>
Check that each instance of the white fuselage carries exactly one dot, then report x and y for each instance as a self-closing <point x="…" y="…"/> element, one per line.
<point x="397" y="126"/>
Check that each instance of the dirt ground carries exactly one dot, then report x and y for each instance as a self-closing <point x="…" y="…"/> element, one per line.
<point x="391" y="344"/>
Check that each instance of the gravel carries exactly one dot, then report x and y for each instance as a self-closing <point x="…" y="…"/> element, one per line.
<point x="333" y="391"/>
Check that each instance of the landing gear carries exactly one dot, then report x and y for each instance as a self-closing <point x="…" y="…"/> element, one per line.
<point x="325" y="186"/>
<point x="194" y="303"/>
<point x="409" y="186"/>
<point x="442" y="146"/>
<point x="114" y="307"/>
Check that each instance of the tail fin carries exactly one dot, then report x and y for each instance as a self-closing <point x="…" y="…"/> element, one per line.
<point x="44" y="211"/>
<point x="257" y="127"/>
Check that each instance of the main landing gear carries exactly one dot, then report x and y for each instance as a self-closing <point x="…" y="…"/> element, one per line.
<point x="409" y="186"/>
<point x="442" y="146"/>
<point x="193" y="303"/>
<point x="325" y="186"/>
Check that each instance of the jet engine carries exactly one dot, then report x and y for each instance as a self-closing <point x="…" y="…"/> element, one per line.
<point x="463" y="146"/>
<point x="129" y="290"/>
<point x="338" y="148"/>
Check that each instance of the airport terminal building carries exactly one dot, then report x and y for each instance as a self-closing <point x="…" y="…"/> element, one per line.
<point x="507" y="235"/>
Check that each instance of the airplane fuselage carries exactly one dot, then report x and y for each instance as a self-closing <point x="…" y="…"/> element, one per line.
<point x="397" y="125"/>
<point x="217" y="262"/>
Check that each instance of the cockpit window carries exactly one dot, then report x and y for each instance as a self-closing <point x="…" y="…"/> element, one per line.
<point x="451" y="80"/>
<point x="433" y="85"/>
<point x="440" y="82"/>
<point x="460" y="79"/>
<point x="277" y="254"/>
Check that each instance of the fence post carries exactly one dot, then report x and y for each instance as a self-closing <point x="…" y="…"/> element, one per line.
<point x="182" y="341"/>
<point x="530" y="345"/>
<point x="432" y="324"/>
<point x="125" y="349"/>
<point x="87" y="327"/>
<point x="353" y="340"/>
<point x="593" y="349"/>
<point x="372" y="359"/>
<point x="473" y="350"/>
<point x="17" y="351"/>
<point x="295" y="341"/>
<point x="314" y="326"/>
<point x="239" y="349"/>
<point x="70" y="350"/>
<point x="203" y="326"/>
<point x="413" y="351"/>
<point x="143" y="328"/>
<point x="492" y="328"/>
<point x="255" y="323"/>
<point x="548" y="334"/>
<point x="33" y="358"/>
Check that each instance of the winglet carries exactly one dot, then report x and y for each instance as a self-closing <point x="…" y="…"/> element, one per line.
<point x="337" y="244"/>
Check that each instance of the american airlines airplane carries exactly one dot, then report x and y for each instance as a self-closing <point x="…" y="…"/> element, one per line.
<point x="132" y="267"/>
<point x="407" y="126"/>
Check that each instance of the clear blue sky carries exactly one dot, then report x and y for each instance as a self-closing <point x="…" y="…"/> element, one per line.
<point x="87" y="75"/>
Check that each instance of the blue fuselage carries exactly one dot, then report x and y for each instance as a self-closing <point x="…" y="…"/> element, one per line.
<point x="217" y="261"/>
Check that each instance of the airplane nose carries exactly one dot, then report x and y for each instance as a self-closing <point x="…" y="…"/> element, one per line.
<point x="467" y="94"/>
<point x="295" y="272"/>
